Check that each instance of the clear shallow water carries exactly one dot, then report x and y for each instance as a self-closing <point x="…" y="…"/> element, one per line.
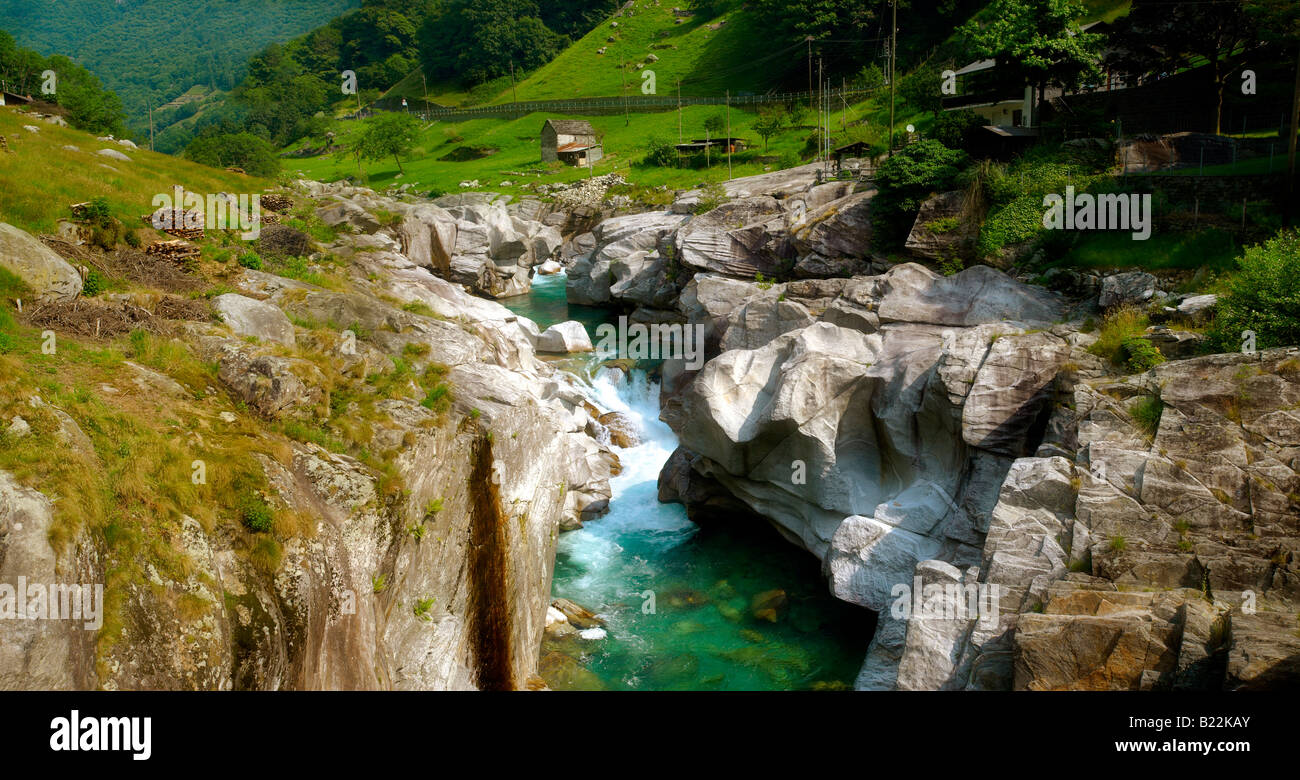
<point x="722" y="607"/>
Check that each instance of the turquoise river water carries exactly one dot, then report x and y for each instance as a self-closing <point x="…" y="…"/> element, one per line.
<point x="678" y="599"/>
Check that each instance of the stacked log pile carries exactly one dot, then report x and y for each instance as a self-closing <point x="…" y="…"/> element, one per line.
<point x="174" y="222"/>
<point x="279" y="203"/>
<point x="179" y="252"/>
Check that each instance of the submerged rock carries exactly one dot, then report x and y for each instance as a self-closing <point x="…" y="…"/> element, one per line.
<point x="770" y="605"/>
<point x="580" y="617"/>
<point x="622" y="430"/>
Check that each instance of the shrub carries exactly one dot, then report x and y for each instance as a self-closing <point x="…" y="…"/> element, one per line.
<point x="94" y="284"/>
<point x="255" y="513"/>
<point x="97" y="211"/>
<point x="1146" y="413"/>
<point x="1140" y="355"/>
<point x="1263" y="297"/>
<point x="907" y="178"/>
<point x="283" y="241"/>
<point x="953" y="129"/>
<point x="1015" y="196"/>
<point x="251" y="260"/>
<point x="661" y="153"/>
<point x="870" y="77"/>
<point x="1121" y="326"/>
<point x="713" y="195"/>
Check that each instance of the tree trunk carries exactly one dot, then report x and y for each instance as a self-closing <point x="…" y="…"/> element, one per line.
<point x="1218" y="89"/>
<point x="1291" y="141"/>
<point x="399" y="164"/>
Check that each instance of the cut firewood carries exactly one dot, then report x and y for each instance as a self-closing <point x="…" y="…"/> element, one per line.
<point x="175" y="251"/>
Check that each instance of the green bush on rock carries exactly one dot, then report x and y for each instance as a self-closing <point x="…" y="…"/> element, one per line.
<point x="1263" y="297"/>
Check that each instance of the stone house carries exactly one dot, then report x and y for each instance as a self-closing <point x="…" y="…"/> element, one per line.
<point x="572" y="141"/>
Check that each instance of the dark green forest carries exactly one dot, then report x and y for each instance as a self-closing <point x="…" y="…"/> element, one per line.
<point x="150" y="51"/>
<point x="81" y="96"/>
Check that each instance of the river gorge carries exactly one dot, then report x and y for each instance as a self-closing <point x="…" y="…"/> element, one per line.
<point x="463" y="495"/>
<point x="675" y="597"/>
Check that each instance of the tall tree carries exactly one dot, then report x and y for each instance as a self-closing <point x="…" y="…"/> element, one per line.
<point x="389" y="135"/>
<point x="1038" y="39"/>
<point x="816" y="18"/>
<point x="1279" y="24"/>
<point x="1157" y="35"/>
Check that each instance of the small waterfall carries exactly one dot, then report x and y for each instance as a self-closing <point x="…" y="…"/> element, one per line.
<point x="677" y="598"/>
<point x="636" y="520"/>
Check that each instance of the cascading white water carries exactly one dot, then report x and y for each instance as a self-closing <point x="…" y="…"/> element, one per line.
<point x="636" y="518"/>
<point x="677" y="598"/>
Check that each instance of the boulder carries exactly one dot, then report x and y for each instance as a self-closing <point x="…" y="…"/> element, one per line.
<point x="1126" y="289"/>
<point x="938" y="233"/>
<point x="622" y="431"/>
<point x="624" y="260"/>
<point x="977" y="295"/>
<point x="740" y="238"/>
<point x="346" y="213"/>
<point x="1265" y="652"/>
<point x="429" y="235"/>
<point x="258" y="319"/>
<point x="275" y="387"/>
<point x="43" y="654"/>
<point x="564" y="337"/>
<point x="1197" y="306"/>
<point x="578" y="616"/>
<point x="1099" y="640"/>
<point x="835" y="239"/>
<point x="49" y="276"/>
<point x="113" y="154"/>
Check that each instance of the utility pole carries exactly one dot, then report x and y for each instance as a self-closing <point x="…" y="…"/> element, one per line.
<point x="679" y="111"/>
<point x="151" y="126"/>
<point x="622" y="70"/>
<point x="729" y="140"/>
<point x="893" y="58"/>
<point x="514" y="93"/>
<point x="810" y="89"/>
<point x="1290" y="152"/>
<point x="821" y="108"/>
<point x="425" y="81"/>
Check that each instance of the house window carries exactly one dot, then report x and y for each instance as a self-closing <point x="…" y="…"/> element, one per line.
<point x="1017" y="118"/>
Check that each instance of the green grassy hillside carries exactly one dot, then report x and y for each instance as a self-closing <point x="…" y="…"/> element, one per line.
<point x="39" y="178"/>
<point x="515" y="147"/>
<point x="708" y="56"/>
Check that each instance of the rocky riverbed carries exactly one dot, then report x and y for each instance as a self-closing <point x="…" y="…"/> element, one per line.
<point x="898" y="426"/>
<point x="913" y="429"/>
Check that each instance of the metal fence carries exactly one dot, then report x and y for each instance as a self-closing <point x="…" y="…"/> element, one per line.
<point x="1202" y="154"/>
<point x="608" y="105"/>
